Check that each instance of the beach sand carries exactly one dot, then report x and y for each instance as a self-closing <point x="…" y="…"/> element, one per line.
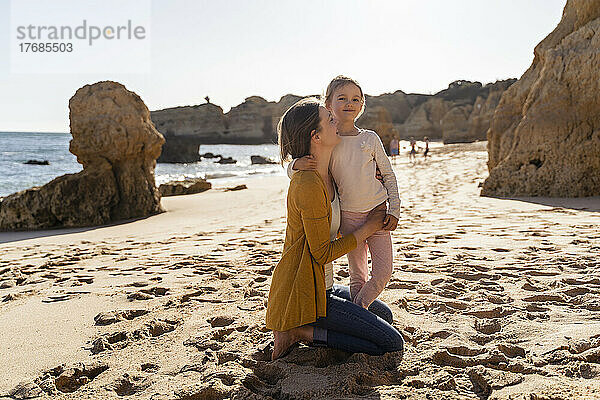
<point x="496" y="298"/>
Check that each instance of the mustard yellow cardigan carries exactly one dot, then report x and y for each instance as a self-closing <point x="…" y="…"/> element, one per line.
<point x="297" y="294"/>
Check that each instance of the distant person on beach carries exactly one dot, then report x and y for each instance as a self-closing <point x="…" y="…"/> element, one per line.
<point x="353" y="165"/>
<point x="426" y="139"/>
<point x="413" y="150"/>
<point x="303" y="304"/>
<point x="394" y="147"/>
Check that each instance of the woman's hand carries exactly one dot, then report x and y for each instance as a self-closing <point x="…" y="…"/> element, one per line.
<point x="373" y="224"/>
<point x="306" y="163"/>
<point x="375" y="220"/>
<point x="390" y="223"/>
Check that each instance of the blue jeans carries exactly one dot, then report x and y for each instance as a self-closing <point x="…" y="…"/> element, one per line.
<point x="353" y="329"/>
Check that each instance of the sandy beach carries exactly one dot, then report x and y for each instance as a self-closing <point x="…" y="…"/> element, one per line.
<point x="496" y="298"/>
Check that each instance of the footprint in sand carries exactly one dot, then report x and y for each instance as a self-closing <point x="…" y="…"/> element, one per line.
<point x="129" y="384"/>
<point x="66" y="379"/>
<point x="111" y="317"/>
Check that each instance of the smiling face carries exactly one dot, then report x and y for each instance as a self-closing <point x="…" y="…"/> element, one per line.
<point x="327" y="133"/>
<point x="346" y="102"/>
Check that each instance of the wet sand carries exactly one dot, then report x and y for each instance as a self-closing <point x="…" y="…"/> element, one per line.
<point x="496" y="298"/>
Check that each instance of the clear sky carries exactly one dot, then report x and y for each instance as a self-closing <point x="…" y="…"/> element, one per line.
<point x="232" y="49"/>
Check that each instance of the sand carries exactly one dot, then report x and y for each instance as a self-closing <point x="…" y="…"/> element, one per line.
<point x="496" y="298"/>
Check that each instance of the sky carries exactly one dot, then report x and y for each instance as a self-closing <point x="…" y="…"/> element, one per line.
<point x="233" y="49"/>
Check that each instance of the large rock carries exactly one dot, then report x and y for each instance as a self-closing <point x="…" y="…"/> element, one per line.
<point x="544" y="138"/>
<point x="390" y="114"/>
<point x="187" y="186"/>
<point x="426" y="119"/>
<point x="185" y="128"/>
<point x="180" y="150"/>
<point x="455" y="124"/>
<point x="117" y="144"/>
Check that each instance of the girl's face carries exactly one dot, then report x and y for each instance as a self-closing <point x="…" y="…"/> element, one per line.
<point x="346" y="102"/>
<point x="327" y="128"/>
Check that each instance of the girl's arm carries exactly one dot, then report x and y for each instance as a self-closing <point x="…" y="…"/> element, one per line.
<point x="290" y="168"/>
<point x="389" y="177"/>
<point x="305" y="163"/>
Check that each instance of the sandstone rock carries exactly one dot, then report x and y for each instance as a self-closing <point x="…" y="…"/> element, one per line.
<point x="390" y="114"/>
<point x="544" y="138"/>
<point x="261" y="160"/>
<point x="117" y="144"/>
<point x="426" y="119"/>
<point x="188" y="186"/>
<point x="236" y="188"/>
<point x="378" y="118"/>
<point x="180" y="150"/>
<point x="455" y="124"/>
<point x="253" y="121"/>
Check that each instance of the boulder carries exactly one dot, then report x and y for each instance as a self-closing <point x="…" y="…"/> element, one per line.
<point x="226" y="160"/>
<point x="37" y="162"/>
<point x="180" y="150"/>
<point x="210" y="155"/>
<point x="117" y="144"/>
<point x="261" y="160"/>
<point x="544" y="138"/>
<point x="188" y="186"/>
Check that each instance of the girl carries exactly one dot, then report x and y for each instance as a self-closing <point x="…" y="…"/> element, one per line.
<point x="353" y="164"/>
<point x="301" y="306"/>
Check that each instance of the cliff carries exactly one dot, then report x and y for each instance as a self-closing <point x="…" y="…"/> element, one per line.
<point x="460" y="113"/>
<point x="544" y="138"/>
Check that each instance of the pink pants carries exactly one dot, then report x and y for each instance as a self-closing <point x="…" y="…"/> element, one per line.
<point x="362" y="289"/>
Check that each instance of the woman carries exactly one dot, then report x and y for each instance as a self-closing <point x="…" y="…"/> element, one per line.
<point x="301" y="306"/>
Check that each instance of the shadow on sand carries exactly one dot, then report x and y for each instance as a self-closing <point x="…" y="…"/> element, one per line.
<point x="591" y="204"/>
<point x="15" y="236"/>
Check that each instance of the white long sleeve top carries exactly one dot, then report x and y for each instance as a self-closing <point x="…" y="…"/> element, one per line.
<point x="352" y="165"/>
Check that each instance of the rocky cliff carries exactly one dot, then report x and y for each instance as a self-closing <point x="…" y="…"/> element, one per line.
<point x="185" y="128"/>
<point x="117" y="144"/>
<point x="544" y="138"/>
<point x="460" y="113"/>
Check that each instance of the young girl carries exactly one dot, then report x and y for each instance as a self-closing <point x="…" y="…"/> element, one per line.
<point x="353" y="164"/>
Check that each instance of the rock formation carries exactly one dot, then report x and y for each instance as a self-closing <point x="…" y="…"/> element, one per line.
<point x="188" y="186"/>
<point x="117" y="144"/>
<point x="261" y="160"/>
<point x="390" y="114"/>
<point x="186" y="128"/>
<point x="544" y="138"/>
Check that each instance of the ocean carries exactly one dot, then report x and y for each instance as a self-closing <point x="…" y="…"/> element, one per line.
<point x="16" y="148"/>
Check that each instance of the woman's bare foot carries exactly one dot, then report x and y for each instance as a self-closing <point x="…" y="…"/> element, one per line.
<point x="283" y="340"/>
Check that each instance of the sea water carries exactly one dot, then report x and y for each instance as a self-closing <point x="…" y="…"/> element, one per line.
<point x="16" y="148"/>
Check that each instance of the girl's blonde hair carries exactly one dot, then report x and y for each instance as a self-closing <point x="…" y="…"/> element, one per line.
<point x="339" y="82"/>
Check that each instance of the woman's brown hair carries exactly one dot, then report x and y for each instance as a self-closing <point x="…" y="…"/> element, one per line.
<point x="295" y="128"/>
